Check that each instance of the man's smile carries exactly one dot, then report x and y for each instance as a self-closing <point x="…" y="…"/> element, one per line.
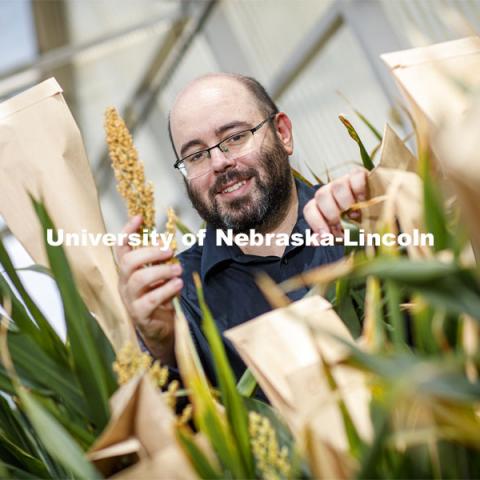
<point x="235" y="188"/>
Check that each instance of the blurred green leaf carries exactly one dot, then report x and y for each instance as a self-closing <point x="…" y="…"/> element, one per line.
<point x="36" y="268"/>
<point x="32" y="363"/>
<point x="234" y="406"/>
<point x="208" y="417"/>
<point x="48" y="338"/>
<point x="90" y="361"/>
<point x="345" y="308"/>
<point x="434" y="213"/>
<point x="300" y="177"/>
<point x="181" y="226"/>
<point x="56" y="440"/>
<point x="200" y="462"/>
<point x="247" y="384"/>
<point x="15" y="455"/>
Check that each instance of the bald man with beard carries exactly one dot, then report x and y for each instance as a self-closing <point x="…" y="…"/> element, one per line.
<point x="232" y="146"/>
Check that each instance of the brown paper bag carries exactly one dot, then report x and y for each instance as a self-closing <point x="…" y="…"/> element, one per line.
<point x="399" y="191"/>
<point x="142" y="428"/>
<point x="458" y="146"/>
<point x="42" y="153"/>
<point x="434" y="78"/>
<point x="283" y="355"/>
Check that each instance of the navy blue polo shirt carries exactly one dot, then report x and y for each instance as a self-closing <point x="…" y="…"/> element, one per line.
<point x="228" y="278"/>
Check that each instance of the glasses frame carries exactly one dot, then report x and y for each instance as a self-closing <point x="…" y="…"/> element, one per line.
<point x="180" y="163"/>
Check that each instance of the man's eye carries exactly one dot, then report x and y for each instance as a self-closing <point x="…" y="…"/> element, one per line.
<point x="196" y="157"/>
<point x="238" y="138"/>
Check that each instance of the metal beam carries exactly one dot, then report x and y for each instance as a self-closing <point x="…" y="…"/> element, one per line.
<point x="372" y="29"/>
<point x="226" y="48"/>
<point x="58" y="57"/>
<point x="313" y="41"/>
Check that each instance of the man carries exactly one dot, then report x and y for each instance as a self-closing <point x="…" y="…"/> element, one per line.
<point x="232" y="146"/>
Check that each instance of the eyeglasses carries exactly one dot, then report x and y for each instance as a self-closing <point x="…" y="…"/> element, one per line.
<point x="240" y="143"/>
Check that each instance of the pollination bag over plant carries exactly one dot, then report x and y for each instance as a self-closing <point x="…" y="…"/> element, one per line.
<point x="395" y="183"/>
<point x="142" y="427"/>
<point x="441" y="83"/>
<point x="42" y="154"/>
<point x="283" y="348"/>
<point x="434" y="78"/>
<point x="458" y="146"/>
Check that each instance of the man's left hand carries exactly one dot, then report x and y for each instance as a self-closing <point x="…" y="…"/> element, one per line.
<point x="323" y="212"/>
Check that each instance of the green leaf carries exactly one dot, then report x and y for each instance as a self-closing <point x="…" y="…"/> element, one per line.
<point x="247" y="384"/>
<point x="8" y="470"/>
<point x="345" y="308"/>
<point x="300" y="177"/>
<point x="21" y="458"/>
<point x="181" y="226"/>
<point x="397" y="321"/>
<point x="33" y="364"/>
<point x="364" y="119"/>
<point x="434" y="213"/>
<point x="208" y="418"/>
<point x="37" y="268"/>
<point x="200" y="462"/>
<point x="49" y="339"/>
<point x="234" y="406"/>
<point x="90" y="362"/>
<point x="444" y="285"/>
<point x="366" y="160"/>
<point x="57" y="441"/>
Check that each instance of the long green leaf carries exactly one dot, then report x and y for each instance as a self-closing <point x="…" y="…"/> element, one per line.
<point x="434" y="213"/>
<point x="56" y="440"/>
<point x="366" y="160"/>
<point x="49" y="339"/>
<point x="208" y="419"/>
<point x="234" y="406"/>
<point x="21" y="458"/>
<point x="200" y="462"/>
<point x="94" y="374"/>
<point x="32" y="363"/>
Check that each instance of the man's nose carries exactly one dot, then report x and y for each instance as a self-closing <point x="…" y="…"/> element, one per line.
<point x="219" y="160"/>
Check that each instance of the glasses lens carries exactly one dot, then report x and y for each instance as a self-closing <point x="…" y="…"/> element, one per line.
<point x="196" y="164"/>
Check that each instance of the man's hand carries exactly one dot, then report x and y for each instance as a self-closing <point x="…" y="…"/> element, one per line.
<point x="147" y="292"/>
<point x="322" y="213"/>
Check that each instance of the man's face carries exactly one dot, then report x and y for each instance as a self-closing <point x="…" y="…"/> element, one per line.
<point x="251" y="191"/>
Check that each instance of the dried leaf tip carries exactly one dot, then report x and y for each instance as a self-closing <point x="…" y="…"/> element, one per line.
<point x="129" y="170"/>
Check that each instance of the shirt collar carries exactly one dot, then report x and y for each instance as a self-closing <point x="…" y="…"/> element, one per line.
<point x="213" y="254"/>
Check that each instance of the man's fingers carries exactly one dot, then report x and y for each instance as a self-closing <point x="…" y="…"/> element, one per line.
<point x="136" y="259"/>
<point x="145" y="278"/>
<point x="314" y="218"/>
<point x="130" y="227"/>
<point x="145" y="305"/>
<point x="328" y="206"/>
<point x="342" y="194"/>
<point x="358" y="184"/>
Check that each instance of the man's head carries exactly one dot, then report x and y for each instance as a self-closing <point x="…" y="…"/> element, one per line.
<point x="239" y="190"/>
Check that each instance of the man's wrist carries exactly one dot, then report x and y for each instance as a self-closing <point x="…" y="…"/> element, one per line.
<point x="159" y="351"/>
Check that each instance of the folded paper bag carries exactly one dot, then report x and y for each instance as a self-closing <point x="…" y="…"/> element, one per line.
<point x="41" y="153"/>
<point x="141" y="431"/>
<point x="434" y="78"/>
<point x="283" y="347"/>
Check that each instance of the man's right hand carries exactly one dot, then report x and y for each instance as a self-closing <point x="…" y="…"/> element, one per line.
<point x="147" y="292"/>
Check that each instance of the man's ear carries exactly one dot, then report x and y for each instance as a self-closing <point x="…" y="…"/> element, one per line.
<point x="283" y="129"/>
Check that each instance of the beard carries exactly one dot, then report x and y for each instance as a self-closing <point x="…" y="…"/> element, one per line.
<point x="262" y="208"/>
